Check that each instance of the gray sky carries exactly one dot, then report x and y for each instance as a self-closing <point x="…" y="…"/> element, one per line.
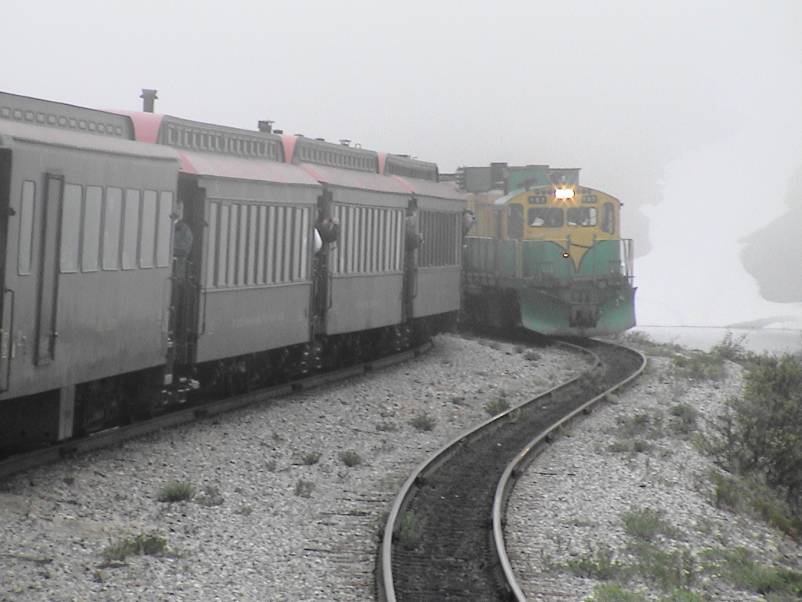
<point x="621" y="88"/>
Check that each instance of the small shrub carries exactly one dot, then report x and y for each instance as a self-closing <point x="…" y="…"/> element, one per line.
<point x="244" y="510"/>
<point x="423" y="422"/>
<point x="532" y="356"/>
<point x="409" y="531"/>
<point x="596" y="564"/>
<point x="700" y="366"/>
<point x="761" y="432"/>
<point x="643" y="425"/>
<point x="387" y="427"/>
<point x="176" y="491"/>
<point x="497" y="406"/>
<point x="612" y="592"/>
<point x="150" y="545"/>
<point x="350" y="458"/>
<point x="669" y="570"/>
<point x="304" y="488"/>
<point x="740" y="568"/>
<point x="684" y="417"/>
<point x="646" y="524"/>
<point x="731" y="348"/>
<point x="311" y="458"/>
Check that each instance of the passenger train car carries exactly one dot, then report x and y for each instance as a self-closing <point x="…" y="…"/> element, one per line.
<point x="145" y="255"/>
<point x="546" y="253"/>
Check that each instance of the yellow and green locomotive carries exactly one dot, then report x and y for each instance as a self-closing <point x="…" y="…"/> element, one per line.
<point x="545" y="253"/>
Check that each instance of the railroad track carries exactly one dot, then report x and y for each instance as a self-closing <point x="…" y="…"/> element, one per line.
<point x="444" y="537"/>
<point x="38" y="457"/>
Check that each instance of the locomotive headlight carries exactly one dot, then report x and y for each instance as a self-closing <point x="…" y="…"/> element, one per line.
<point x="564" y="194"/>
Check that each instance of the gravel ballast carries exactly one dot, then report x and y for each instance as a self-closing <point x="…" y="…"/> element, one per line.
<point x="277" y="512"/>
<point x="633" y="457"/>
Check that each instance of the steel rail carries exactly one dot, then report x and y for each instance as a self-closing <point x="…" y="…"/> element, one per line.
<point x="46" y="455"/>
<point x="385" y="588"/>
<point x="515" y="469"/>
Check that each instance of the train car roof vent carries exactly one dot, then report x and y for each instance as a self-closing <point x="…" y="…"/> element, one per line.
<point x="148" y="97"/>
<point x="278" y="132"/>
<point x="320" y="139"/>
<point x="345" y="141"/>
<point x="266" y="126"/>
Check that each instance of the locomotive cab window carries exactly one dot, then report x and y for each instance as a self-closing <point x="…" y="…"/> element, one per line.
<point x="70" y="228"/>
<point x="581" y="216"/>
<point x="608" y="218"/>
<point x="26" y="227"/>
<point x="90" y="250"/>
<point x="515" y="221"/>
<point x="545" y="217"/>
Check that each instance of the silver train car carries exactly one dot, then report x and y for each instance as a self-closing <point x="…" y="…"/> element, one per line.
<point x="145" y="256"/>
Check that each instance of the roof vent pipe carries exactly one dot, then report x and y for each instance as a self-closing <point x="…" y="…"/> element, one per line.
<point x="148" y="99"/>
<point x="345" y="141"/>
<point x="266" y="127"/>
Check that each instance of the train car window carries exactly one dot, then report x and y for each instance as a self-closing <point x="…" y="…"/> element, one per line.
<point x="130" y="228"/>
<point x="70" y="228"/>
<point x="608" y="218"/>
<point x="211" y="245"/>
<point x="90" y="250"/>
<point x="350" y="263"/>
<point x="515" y="221"/>
<point x="581" y="216"/>
<point x="545" y="217"/>
<point x="242" y="246"/>
<point x="261" y="218"/>
<point x="250" y="269"/>
<point x="147" y="239"/>
<point x="271" y="243"/>
<point x="112" y="216"/>
<point x="222" y="246"/>
<point x="27" y="205"/>
<point x="164" y="230"/>
<point x="297" y="238"/>
<point x="289" y="229"/>
<point x="278" y="257"/>
<point x="233" y="223"/>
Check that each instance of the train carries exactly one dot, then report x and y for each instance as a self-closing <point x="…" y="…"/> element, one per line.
<point x="148" y="260"/>
<point x="546" y="253"/>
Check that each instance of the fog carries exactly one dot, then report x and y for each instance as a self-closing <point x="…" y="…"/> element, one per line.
<point x="688" y="111"/>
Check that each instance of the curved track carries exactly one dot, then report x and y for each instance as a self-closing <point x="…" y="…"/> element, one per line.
<point x="439" y="542"/>
<point x="38" y="457"/>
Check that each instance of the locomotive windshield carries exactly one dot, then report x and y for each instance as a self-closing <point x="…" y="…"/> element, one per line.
<point x="545" y="217"/>
<point x="581" y="216"/>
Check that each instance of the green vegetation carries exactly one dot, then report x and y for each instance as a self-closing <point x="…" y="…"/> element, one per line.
<point x="646" y="524"/>
<point x="683" y="418"/>
<point x="668" y="570"/>
<point x="641" y="341"/>
<point x="386" y="426"/>
<point x="613" y="592"/>
<point x="311" y="458"/>
<point x="304" y="488"/>
<point x="760" y="433"/>
<point x="176" y="491"/>
<point x="741" y="570"/>
<point x="596" y="564"/>
<point x="531" y="355"/>
<point x="409" y="530"/>
<point x="350" y="458"/>
<point x="698" y="365"/>
<point x="423" y="422"/>
<point x="151" y="545"/>
<point x="497" y="406"/>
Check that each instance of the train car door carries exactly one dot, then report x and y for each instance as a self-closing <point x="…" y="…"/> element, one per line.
<point x="47" y="311"/>
<point x="6" y="296"/>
